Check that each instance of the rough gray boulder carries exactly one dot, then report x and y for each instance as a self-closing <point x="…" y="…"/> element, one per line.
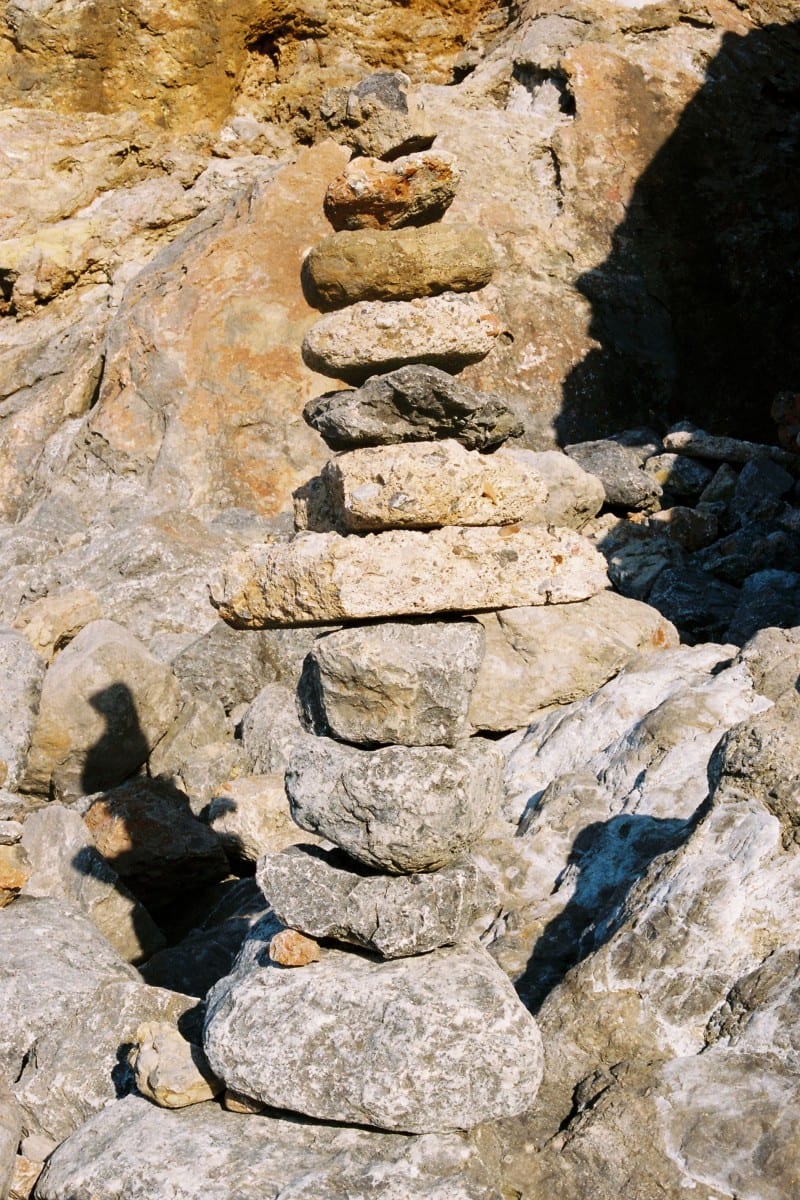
<point x="437" y="1042"/>
<point x="399" y="809"/>
<point x="396" y="681"/>
<point x="322" y="893"/>
<point x="140" y="1152"/>
<point x="21" y="673"/>
<point x="617" y="467"/>
<point x="379" y="117"/>
<point x="10" y="1133"/>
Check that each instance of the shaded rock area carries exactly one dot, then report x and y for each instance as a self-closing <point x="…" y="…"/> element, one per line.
<point x="463" y="863"/>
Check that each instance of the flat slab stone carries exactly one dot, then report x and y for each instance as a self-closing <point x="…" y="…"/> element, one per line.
<point x="698" y="444"/>
<point x="136" y="1151"/>
<point x="398" y="264"/>
<point x="420" y="485"/>
<point x="399" y="809"/>
<point x="448" y="331"/>
<point x="401" y="682"/>
<point x="412" y="404"/>
<point x="438" y="1042"/>
<point x="321" y="893"/>
<point x="371" y="194"/>
<point x="324" y="577"/>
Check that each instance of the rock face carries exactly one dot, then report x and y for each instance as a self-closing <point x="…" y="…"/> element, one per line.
<point x="394" y="916"/>
<point x="399" y="809"/>
<point x="397" y="682"/>
<point x="370" y="194"/>
<point x="22" y="672"/>
<point x="324" y="577"/>
<point x="398" y="264"/>
<point x="381" y="1040"/>
<point x="445" y="331"/>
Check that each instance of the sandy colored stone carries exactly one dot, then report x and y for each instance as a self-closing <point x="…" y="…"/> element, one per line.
<point x="15" y="870"/>
<point x="573" y="495"/>
<point x="398" y="264"/>
<point x="236" y="1102"/>
<point x="381" y="116"/>
<point x="325" y="577"/>
<point x="290" y="948"/>
<point x="418" y="485"/>
<point x="371" y="194"/>
<point x="169" y="1070"/>
<point x="51" y="623"/>
<point x="446" y="331"/>
<point x="22" y="673"/>
<point x="250" y="815"/>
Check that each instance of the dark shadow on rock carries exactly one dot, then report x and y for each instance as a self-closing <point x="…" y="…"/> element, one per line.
<point x="122" y="747"/>
<point x="696" y="306"/>
<point x="608" y="858"/>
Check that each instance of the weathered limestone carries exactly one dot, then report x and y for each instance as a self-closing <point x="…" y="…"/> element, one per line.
<point x="370" y="194"/>
<point x="412" y="404"/>
<point x="10" y="1133"/>
<point x="419" y="485"/>
<point x="573" y="495"/>
<point x="381" y="1039"/>
<point x="446" y="331"/>
<point x="250" y="816"/>
<point x="378" y="117"/>
<point x="396" y="681"/>
<point x="21" y="675"/>
<point x="396" y="916"/>
<point x="398" y="809"/>
<point x="398" y="264"/>
<point x="325" y="577"/>
<point x="169" y="1070"/>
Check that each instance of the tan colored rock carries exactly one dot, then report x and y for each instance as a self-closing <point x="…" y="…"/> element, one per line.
<point x="23" y="1180"/>
<point x="445" y="331"/>
<point x="15" y="871"/>
<point x="236" y="1102"/>
<point x="251" y="817"/>
<point x="289" y="948"/>
<point x="51" y="623"/>
<point x="398" y="264"/>
<point x="573" y="495"/>
<point x="322" y="576"/>
<point x="418" y="485"/>
<point x="371" y="194"/>
<point x="169" y="1070"/>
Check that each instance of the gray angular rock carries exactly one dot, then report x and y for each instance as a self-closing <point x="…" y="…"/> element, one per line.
<point x="399" y="809"/>
<point x="411" y="404"/>
<point x="198" y="752"/>
<point x="437" y="1042"/>
<point x="396" y="681"/>
<point x="105" y="703"/>
<point x="10" y="1134"/>
<point x="573" y="495"/>
<point x="679" y="475"/>
<point x="147" y="1153"/>
<point x="767" y="598"/>
<point x="772" y="659"/>
<point x="617" y="467"/>
<point x="406" y="572"/>
<point x="272" y="730"/>
<point x="686" y="439"/>
<point x="758" y="546"/>
<point x="67" y="1004"/>
<point x="761" y="1013"/>
<point x="379" y="117"/>
<point x="251" y="817"/>
<point x="323" y="894"/>
<point x="370" y="194"/>
<point x="169" y="1069"/>
<point x="66" y="865"/>
<point x="759" y="490"/>
<point x="700" y="605"/>
<point x="21" y="674"/>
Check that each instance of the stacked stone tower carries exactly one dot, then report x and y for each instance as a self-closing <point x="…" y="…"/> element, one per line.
<point x="399" y="1020"/>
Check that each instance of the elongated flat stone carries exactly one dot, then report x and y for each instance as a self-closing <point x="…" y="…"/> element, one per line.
<point x="326" y="577"/>
<point x="398" y="264"/>
<point x="323" y="894"/>
<point x="398" y="809"/>
<point x="446" y="331"/>
<point x="435" y="1043"/>
<point x="419" y="485"/>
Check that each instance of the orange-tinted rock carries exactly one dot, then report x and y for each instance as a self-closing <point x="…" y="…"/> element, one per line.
<point x="371" y="194"/>
<point x="289" y="948"/>
<point x="15" y="871"/>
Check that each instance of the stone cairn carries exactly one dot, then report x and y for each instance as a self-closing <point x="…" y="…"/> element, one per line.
<point x="400" y="1020"/>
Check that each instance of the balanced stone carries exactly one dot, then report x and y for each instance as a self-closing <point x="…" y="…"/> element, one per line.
<point x="418" y="485"/>
<point x="447" y="331"/>
<point x="371" y="194"/>
<point x="434" y="1043"/>
<point x="398" y="264"/>
<point x="400" y="808"/>
<point x="404" y="682"/>
<point x="412" y="404"/>
<point x="380" y="116"/>
<point x="325" y="577"/>
<point x="323" y="893"/>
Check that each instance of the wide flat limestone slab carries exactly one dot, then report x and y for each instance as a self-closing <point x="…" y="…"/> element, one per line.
<point x="327" y="577"/>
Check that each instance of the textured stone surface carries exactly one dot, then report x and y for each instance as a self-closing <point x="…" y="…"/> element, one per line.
<point x="696" y="443"/>
<point x="105" y="703"/>
<point x="370" y="194"/>
<point x="411" y="404"/>
<point x="21" y="672"/>
<point x="678" y="474"/>
<point x="10" y="1132"/>
<point x="51" y="623"/>
<point x="198" y="753"/>
<point x="398" y="264"/>
<point x="446" y="331"/>
<point x="325" y="577"/>
<point x="169" y="1070"/>
<point x="420" y="485"/>
<point x="398" y="809"/>
<point x="379" y="117"/>
<point x="434" y="1043"/>
<point x="536" y="657"/>
<point x="617" y="467"/>
<point x="272" y="729"/>
<point x="573" y="495"/>
<point x="288" y="948"/>
<point x="399" y="681"/>
<point x="66" y="865"/>
<point x="15" y="871"/>
<point x="323" y="894"/>
<point x="68" y="1003"/>
<point x="124" y="1151"/>
<point x="250" y="816"/>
